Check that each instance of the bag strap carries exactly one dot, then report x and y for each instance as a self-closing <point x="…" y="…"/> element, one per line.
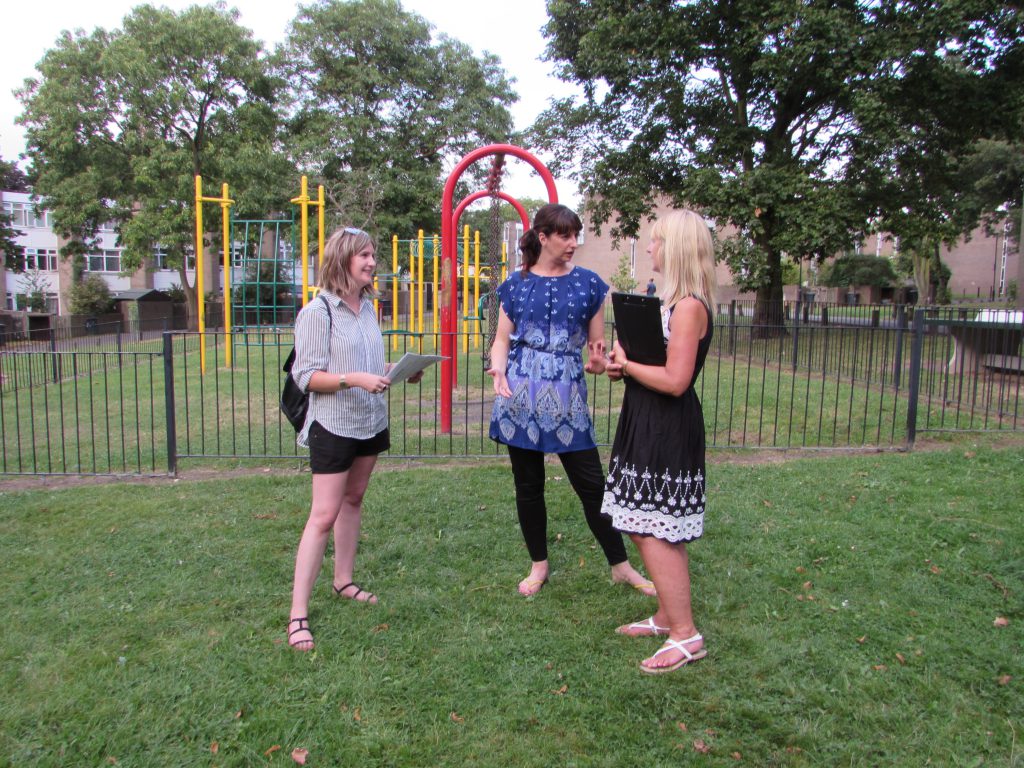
<point x="287" y="367"/>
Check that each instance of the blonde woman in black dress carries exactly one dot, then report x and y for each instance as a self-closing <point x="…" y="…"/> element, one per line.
<point x="655" y="490"/>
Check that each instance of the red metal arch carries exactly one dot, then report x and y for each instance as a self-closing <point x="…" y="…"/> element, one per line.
<point x="449" y="264"/>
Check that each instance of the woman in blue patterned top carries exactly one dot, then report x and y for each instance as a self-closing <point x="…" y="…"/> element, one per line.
<point x="549" y="311"/>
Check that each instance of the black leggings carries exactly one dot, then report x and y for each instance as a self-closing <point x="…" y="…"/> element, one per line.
<point x="585" y="473"/>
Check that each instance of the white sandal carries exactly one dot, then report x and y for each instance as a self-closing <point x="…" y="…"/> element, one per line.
<point x="677" y="645"/>
<point x="647" y="625"/>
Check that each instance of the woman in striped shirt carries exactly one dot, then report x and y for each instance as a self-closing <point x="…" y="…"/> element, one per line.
<point x="339" y="360"/>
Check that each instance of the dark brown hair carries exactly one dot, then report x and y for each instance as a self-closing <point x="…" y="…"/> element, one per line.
<point x="551" y="218"/>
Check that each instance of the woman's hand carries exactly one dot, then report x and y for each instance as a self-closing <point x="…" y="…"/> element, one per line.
<point x="371" y="382"/>
<point x="416" y="378"/>
<point x="596" y="364"/>
<point x="617" y="362"/>
<point x="501" y="387"/>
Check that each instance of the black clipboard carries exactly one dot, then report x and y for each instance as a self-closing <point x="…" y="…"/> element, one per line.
<point x="638" y="328"/>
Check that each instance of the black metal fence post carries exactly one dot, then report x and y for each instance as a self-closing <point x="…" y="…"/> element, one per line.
<point x="916" y="350"/>
<point x="53" y="355"/>
<point x="796" y="331"/>
<point x="732" y="327"/>
<point x="897" y="363"/>
<point x="172" y="436"/>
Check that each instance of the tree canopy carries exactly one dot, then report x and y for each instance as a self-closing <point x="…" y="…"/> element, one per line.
<point x="8" y="247"/>
<point x="797" y="124"/>
<point x="119" y="123"/>
<point x="378" y="107"/>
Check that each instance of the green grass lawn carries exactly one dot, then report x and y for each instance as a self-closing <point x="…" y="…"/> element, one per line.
<point x="851" y="607"/>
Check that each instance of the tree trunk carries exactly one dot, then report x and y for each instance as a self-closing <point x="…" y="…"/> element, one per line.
<point x="191" y="300"/>
<point x="769" y="318"/>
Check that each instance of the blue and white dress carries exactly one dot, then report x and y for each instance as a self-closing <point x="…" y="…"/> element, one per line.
<point x="548" y="409"/>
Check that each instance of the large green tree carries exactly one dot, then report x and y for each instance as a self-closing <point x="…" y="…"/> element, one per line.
<point x="784" y="120"/>
<point x="119" y="123"/>
<point x="380" y="107"/>
<point x="10" y="179"/>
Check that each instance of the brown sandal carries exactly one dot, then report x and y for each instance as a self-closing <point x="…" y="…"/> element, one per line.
<point x="372" y="599"/>
<point x="303" y="627"/>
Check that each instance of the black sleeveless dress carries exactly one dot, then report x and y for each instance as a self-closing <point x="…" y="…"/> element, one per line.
<point x="656" y="481"/>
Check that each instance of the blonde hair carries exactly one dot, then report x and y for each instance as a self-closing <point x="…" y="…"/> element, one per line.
<point x="339" y="249"/>
<point x="687" y="257"/>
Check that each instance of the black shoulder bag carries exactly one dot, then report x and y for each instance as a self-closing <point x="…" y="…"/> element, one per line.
<point x="295" y="402"/>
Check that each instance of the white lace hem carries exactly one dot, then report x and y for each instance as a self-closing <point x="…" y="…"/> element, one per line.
<point x="654" y="523"/>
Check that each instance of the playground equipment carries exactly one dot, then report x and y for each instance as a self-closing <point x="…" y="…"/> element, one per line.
<point x="449" y="278"/>
<point x="225" y="207"/>
<point x="444" y="286"/>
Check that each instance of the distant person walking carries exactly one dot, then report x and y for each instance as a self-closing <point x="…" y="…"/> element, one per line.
<point x="651" y="287"/>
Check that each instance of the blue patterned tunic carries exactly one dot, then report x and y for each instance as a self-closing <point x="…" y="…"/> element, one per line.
<point x="548" y="408"/>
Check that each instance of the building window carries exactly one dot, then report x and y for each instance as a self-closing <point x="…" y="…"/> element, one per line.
<point x="43" y="259"/>
<point x="26" y="216"/>
<point x="104" y="261"/>
<point x="23" y="302"/>
<point x="160" y="259"/>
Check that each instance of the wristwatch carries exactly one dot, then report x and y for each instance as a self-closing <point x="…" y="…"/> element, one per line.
<point x="342" y="384"/>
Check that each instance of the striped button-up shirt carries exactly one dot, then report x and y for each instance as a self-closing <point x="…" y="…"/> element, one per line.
<point x="355" y="345"/>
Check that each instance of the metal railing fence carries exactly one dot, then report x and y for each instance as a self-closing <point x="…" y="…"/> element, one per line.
<point x="810" y="382"/>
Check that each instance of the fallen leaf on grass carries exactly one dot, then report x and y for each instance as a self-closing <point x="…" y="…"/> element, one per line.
<point x="272" y="750"/>
<point x="112" y="760"/>
<point x="794" y="750"/>
<point x="299" y="755"/>
<point x="700" y="746"/>
<point x="736" y="756"/>
<point x="266" y="516"/>
<point x="682" y="727"/>
<point x="561" y="691"/>
<point x="935" y="569"/>
<point x="766" y="502"/>
<point x="807" y="586"/>
<point x="238" y="715"/>
<point x="969" y="454"/>
<point x="879" y="667"/>
<point x="456" y="718"/>
<point x="900" y="658"/>
<point x="862" y="639"/>
<point x="380" y="628"/>
<point x="1001" y="621"/>
<point x="582" y="562"/>
<point x="214" y="748"/>
<point x="357" y="715"/>
<point x="1004" y="679"/>
<point x="801" y="569"/>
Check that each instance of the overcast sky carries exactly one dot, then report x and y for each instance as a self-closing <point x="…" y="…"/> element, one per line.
<point x="510" y="30"/>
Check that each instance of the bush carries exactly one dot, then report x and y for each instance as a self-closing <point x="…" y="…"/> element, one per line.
<point x="91" y="297"/>
<point x="859" y="269"/>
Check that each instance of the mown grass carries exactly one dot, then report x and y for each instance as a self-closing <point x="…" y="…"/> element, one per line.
<point x="848" y="604"/>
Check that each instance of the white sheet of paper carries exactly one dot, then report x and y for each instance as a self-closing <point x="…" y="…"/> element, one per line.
<point x="411" y="364"/>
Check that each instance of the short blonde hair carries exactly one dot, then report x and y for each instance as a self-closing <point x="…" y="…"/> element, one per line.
<point x="687" y="257"/>
<point x="339" y="249"/>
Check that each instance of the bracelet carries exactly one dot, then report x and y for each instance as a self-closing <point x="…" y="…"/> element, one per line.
<point x="625" y="367"/>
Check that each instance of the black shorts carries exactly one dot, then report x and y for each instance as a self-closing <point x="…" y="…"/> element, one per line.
<point x="330" y="454"/>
